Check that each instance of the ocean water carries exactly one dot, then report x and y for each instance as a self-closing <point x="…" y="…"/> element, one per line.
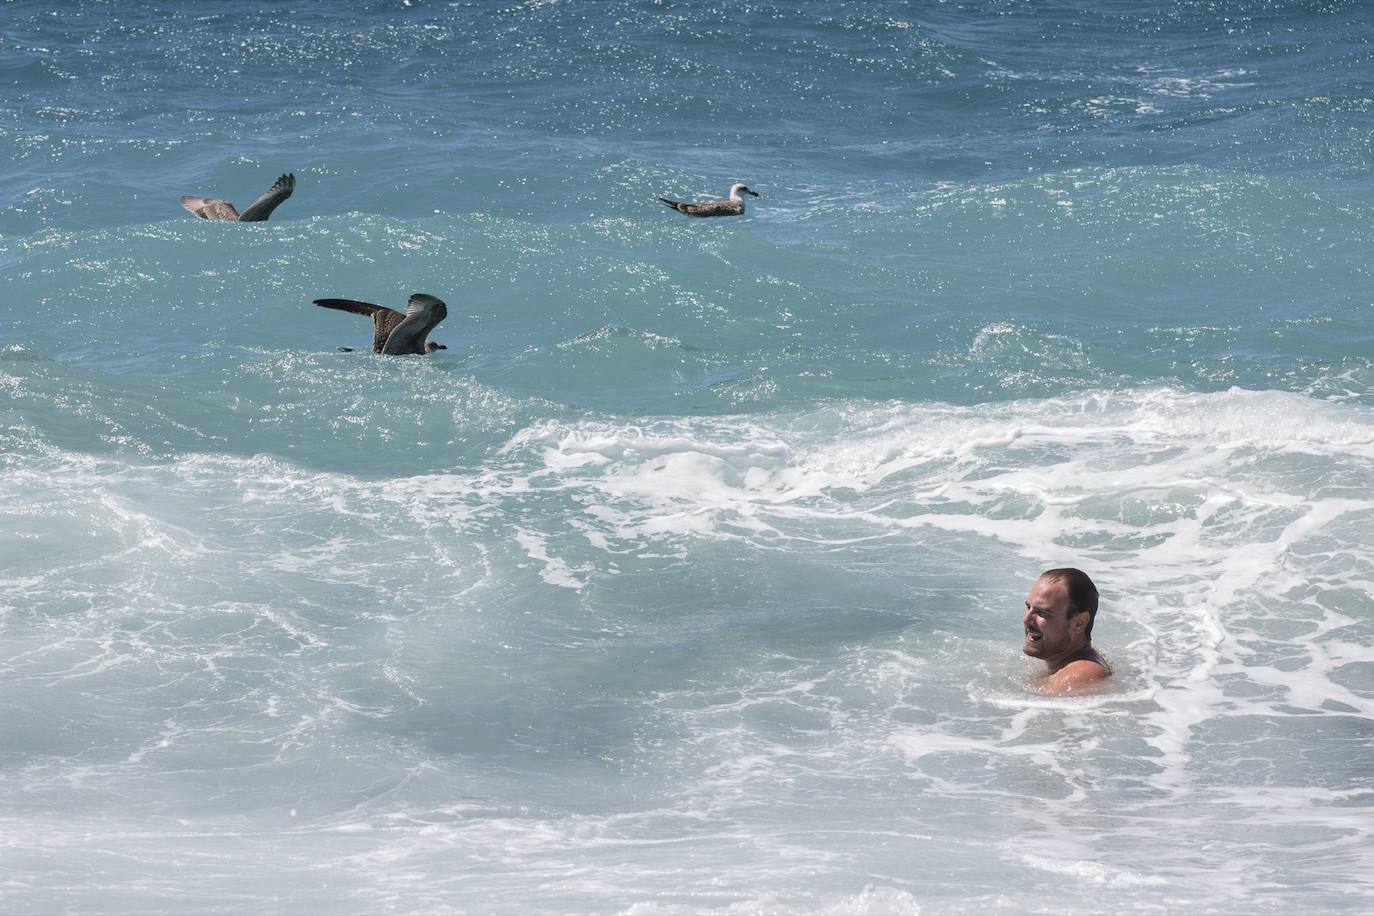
<point x="688" y="579"/>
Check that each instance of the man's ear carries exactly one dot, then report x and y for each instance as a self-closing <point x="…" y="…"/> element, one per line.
<point x="1078" y="622"/>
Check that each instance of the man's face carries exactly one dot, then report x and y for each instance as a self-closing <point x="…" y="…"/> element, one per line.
<point x="1050" y="629"/>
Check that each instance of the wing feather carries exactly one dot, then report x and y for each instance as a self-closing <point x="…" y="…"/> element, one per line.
<point x="423" y="313"/>
<point x="209" y="208"/>
<point x="711" y="208"/>
<point x="354" y="306"/>
<point x="262" y="208"/>
<point x="384" y="320"/>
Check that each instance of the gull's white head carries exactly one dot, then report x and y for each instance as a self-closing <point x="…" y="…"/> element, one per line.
<point x="738" y="189"/>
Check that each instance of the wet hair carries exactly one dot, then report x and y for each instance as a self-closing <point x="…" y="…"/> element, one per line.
<point x="1082" y="592"/>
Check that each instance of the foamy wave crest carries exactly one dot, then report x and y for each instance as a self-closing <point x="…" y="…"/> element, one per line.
<point x="1228" y="531"/>
<point x="809" y="612"/>
<point x="871" y="901"/>
<point x="1101" y="470"/>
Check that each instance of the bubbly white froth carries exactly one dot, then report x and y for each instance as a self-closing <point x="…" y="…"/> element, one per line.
<point x="871" y="561"/>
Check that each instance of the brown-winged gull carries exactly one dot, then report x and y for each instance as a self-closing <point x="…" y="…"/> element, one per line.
<point x="392" y="332"/>
<point x="260" y="209"/>
<point x="732" y="207"/>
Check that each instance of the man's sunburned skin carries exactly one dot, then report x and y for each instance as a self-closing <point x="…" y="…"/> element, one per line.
<point x="1059" y="635"/>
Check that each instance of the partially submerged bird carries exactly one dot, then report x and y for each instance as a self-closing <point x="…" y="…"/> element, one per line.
<point x="732" y="207"/>
<point x="394" y="333"/>
<point x="260" y="209"/>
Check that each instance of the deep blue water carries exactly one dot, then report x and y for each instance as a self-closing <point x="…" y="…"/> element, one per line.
<point x="688" y="579"/>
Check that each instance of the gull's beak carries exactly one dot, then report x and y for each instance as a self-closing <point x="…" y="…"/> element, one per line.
<point x="755" y="193"/>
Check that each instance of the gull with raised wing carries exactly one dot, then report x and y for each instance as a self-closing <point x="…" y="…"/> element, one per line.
<point x="393" y="333"/>
<point x="732" y="207"/>
<point x="259" y="210"/>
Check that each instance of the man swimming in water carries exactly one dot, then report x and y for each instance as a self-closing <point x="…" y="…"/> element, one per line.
<point x="1060" y="610"/>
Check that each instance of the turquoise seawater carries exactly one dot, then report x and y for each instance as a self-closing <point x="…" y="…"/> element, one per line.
<point x="688" y="579"/>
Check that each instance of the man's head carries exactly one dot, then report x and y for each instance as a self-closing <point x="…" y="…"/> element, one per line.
<point x="1060" y="611"/>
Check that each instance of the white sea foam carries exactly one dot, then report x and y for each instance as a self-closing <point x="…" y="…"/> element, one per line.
<point x="553" y="571"/>
<point x="871" y="901"/>
<point x="1189" y="508"/>
<point x="1228" y="532"/>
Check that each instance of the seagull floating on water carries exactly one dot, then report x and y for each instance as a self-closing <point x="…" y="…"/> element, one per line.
<point x="732" y="207"/>
<point x="394" y="333"/>
<point x="259" y="210"/>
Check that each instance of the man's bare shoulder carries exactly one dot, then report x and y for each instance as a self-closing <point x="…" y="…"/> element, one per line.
<point x="1075" y="677"/>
